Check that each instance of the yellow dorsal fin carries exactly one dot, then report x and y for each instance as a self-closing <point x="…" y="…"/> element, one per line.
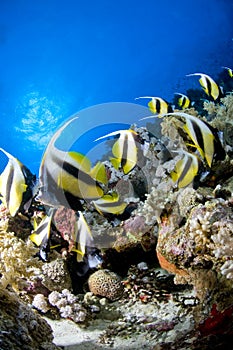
<point x="98" y="172"/>
<point x="117" y="148"/>
<point x="35" y="238"/>
<point x="82" y="161"/>
<point x="115" y="162"/>
<point x="128" y="166"/>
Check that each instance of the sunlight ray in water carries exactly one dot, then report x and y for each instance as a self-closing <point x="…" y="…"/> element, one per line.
<point x="39" y="118"/>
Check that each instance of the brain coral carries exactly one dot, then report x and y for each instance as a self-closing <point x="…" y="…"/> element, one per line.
<point x="106" y="284"/>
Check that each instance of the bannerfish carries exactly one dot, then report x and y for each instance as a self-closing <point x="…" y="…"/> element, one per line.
<point x="183" y="101"/>
<point x="91" y="260"/>
<point x="82" y="237"/>
<point x="229" y="71"/>
<point x="210" y="87"/>
<point x="67" y="177"/>
<point x="185" y="169"/>
<point x="205" y="138"/>
<point x="157" y="105"/>
<point x="110" y="204"/>
<point x="40" y="236"/>
<point x="16" y="185"/>
<point x="125" y="149"/>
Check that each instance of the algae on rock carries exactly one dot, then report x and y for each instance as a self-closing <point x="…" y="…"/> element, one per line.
<point x="21" y="327"/>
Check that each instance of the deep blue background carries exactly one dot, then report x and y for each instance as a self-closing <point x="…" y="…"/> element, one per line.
<point x="57" y="57"/>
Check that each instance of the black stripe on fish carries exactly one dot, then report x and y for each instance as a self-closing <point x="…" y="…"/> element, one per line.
<point x="62" y="197"/>
<point x="73" y="201"/>
<point x="125" y="152"/>
<point x="219" y="152"/>
<point x="158" y="106"/>
<point x="182" y="101"/>
<point x="30" y="181"/>
<point x="109" y="204"/>
<point x="79" y="174"/>
<point x="186" y="169"/>
<point x="198" y="134"/>
<point x="10" y="180"/>
<point x="41" y="228"/>
<point x="209" y="87"/>
<point x="169" y="108"/>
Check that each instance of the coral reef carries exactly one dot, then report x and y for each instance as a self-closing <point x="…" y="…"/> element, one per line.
<point x="200" y="251"/>
<point x="68" y="305"/>
<point x="221" y="116"/>
<point x="106" y="284"/>
<point x="55" y="275"/>
<point x="18" y="264"/>
<point x="190" y="228"/>
<point x="21" y="328"/>
<point x="40" y="303"/>
<point x="152" y="307"/>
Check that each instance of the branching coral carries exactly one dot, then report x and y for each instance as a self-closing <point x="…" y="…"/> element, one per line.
<point x="227" y="269"/>
<point x="222" y="111"/>
<point x="222" y="116"/>
<point x="223" y="239"/>
<point x="156" y="202"/>
<point x="17" y="264"/>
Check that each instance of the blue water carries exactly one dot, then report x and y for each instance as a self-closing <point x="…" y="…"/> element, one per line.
<point x="58" y="57"/>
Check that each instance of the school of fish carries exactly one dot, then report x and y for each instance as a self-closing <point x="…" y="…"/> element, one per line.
<point x="68" y="178"/>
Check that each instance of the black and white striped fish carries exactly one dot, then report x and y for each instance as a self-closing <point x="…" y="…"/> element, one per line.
<point x="110" y="204"/>
<point x="67" y="177"/>
<point x="185" y="169"/>
<point x="205" y="138"/>
<point x="183" y="101"/>
<point x="157" y="105"/>
<point x="41" y="235"/>
<point x="208" y="84"/>
<point x="125" y="149"/>
<point x="81" y="235"/>
<point x="16" y="185"/>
